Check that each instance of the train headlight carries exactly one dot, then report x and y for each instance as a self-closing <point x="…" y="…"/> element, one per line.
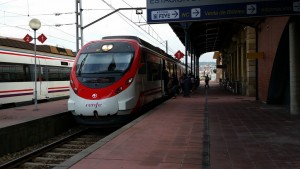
<point x="72" y="86"/>
<point x="107" y="47"/>
<point x="129" y="80"/>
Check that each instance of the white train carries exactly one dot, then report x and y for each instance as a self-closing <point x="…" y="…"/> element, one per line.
<point x="114" y="77"/>
<point x="17" y="62"/>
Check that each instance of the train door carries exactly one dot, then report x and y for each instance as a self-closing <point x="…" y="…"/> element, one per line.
<point x="153" y="85"/>
<point x="43" y="84"/>
<point x="39" y="82"/>
<point x="162" y="67"/>
<point x="142" y="74"/>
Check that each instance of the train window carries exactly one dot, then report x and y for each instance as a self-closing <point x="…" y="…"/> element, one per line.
<point x="14" y="72"/>
<point x="153" y="71"/>
<point x="58" y="73"/>
<point x="122" y="61"/>
<point x="142" y="68"/>
<point x="99" y="63"/>
<point x="40" y="73"/>
<point x="53" y="73"/>
<point x="65" y="73"/>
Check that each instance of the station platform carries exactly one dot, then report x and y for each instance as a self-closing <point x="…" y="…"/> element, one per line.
<point x="212" y="129"/>
<point x="24" y="126"/>
<point x="23" y="114"/>
<point x="241" y="133"/>
<point x="167" y="137"/>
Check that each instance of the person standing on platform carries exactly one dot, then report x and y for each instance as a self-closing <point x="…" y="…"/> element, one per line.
<point x="207" y="81"/>
<point x="166" y="79"/>
<point x="181" y="81"/>
<point x="175" y="83"/>
<point x="187" y="83"/>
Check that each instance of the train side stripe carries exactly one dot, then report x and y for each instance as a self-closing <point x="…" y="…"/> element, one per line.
<point x="63" y="87"/>
<point x="23" y="92"/>
<point x="38" y="56"/>
<point x="56" y="91"/>
<point x="12" y="91"/>
<point x="17" y="94"/>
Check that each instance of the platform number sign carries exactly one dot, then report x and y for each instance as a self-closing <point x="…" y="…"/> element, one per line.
<point x="27" y="38"/>
<point x="42" y="38"/>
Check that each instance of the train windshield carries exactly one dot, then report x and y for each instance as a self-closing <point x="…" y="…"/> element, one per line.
<point x="103" y="63"/>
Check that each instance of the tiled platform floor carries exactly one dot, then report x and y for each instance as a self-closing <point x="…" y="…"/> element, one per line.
<point x="246" y="134"/>
<point x="169" y="137"/>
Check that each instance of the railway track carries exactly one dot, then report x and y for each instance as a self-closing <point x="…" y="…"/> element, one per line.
<point x="59" y="151"/>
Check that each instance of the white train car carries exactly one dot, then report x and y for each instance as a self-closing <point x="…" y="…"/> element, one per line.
<point x="115" y="77"/>
<point x="17" y="63"/>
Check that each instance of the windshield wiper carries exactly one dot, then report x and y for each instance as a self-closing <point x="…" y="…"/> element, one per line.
<point x="81" y="65"/>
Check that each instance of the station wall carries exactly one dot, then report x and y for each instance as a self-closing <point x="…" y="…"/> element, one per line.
<point x="269" y="35"/>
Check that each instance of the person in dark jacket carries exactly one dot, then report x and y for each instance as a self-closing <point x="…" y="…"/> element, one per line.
<point x="187" y="83"/>
<point x="165" y="74"/>
<point x="175" y="84"/>
<point x="206" y="81"/>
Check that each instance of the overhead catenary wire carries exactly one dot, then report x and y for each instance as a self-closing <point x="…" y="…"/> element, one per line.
<point x="139" y="26"/>
<point x="53" y="26"/>
<point x="160" y="41"/>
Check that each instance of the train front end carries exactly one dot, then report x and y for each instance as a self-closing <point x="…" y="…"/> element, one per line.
<point x="103" y="82"/>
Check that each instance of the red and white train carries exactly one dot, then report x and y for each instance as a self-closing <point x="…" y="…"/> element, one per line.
<point x="17" y="72"/>
<point x="116" y="76"/>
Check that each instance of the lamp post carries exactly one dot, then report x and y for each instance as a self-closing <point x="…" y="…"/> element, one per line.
<point x="35" y="24"/>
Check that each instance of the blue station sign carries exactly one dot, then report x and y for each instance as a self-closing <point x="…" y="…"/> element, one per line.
<point x="163" y="11"/>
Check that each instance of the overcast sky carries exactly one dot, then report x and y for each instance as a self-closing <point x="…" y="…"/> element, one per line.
<point x="58" y="22"/>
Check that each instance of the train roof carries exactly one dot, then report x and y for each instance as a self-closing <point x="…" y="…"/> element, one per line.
<point x="20" y="44"/>
<point x="144" y="43"/>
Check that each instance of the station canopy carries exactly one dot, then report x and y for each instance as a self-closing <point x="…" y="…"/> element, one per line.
<point x="212" y="24"/>
<point x="208" y="36"/>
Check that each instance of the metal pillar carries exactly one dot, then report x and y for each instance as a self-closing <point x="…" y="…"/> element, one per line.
<point x="79" y="29"/>
<point x="185" y="27"/>
<point x="79" y="24"/>
<point x="166" y="47"/>
<point x="186" y="43"/>
<point x="35" y="73"/>
<point x="294" y="40"/>
<point x="197" y="66"/>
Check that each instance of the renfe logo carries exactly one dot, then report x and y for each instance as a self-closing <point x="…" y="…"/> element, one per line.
<point x="94" y="95"/>
<point x="93" y="105"/>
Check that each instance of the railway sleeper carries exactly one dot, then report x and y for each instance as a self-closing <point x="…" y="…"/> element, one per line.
<point x="47" y="160"/>
<point x="40" y="165"/>
<point x="59" y="155"/>
<point x="67" y="150"/>
<point x="87" y="139"/>
<point x="78" y="142"/>
<point x="74" y="146"/>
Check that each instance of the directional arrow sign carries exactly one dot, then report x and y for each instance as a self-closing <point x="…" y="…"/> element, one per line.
<point x="42" y="38"/>
<point x="165" y="14"/>
<point x="196" y="12"/>
<point x="166" y="11"/>
<point x="27" y="38"/>
<point x="296" y="6"/>
<point x="251" y="9"/>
